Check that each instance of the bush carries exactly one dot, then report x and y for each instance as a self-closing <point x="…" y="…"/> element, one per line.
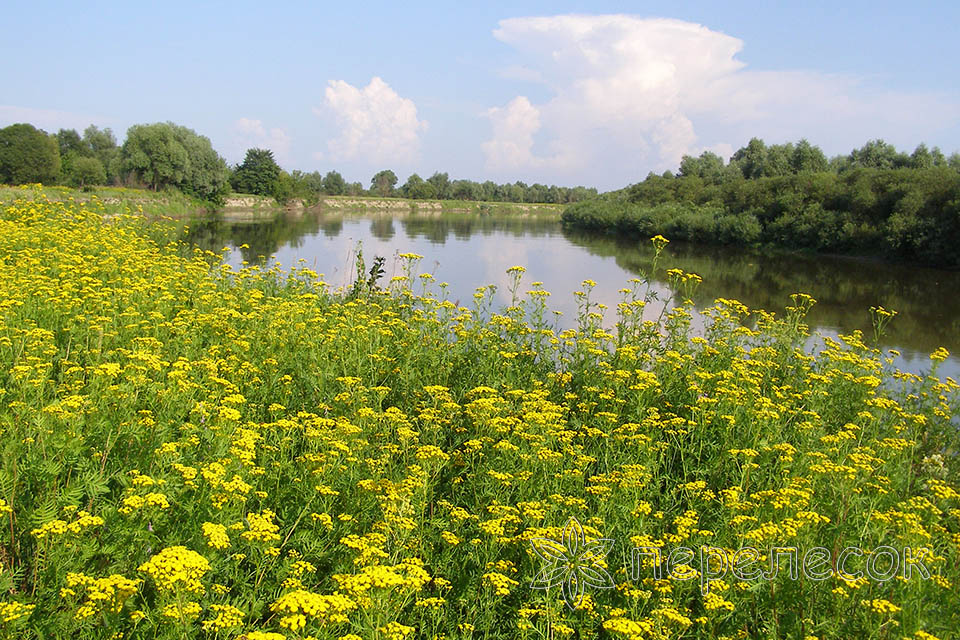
<point x="28" y="155"/>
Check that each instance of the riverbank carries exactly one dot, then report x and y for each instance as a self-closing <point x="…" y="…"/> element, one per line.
<point x="172" y="203"/>
<point x="112" y="200"/>
<point x="904" y="215"/>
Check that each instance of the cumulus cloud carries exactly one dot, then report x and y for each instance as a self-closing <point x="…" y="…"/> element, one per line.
<point x="376" y="124"/>
<point x="645" y="91"/>
<point x="250" y="133"/>
<point x="513" y="129"/>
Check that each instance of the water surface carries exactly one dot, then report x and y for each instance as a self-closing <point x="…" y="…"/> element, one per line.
<point x="468" y="251"/>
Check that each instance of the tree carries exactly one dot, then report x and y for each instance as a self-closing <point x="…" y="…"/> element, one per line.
<point x="283" y="188"/>
<point x="307" y="183"/>
<point x="69" y="141"/>
<point x="536" y="193"/>
<point x="417" y="188"/>
<point x="877" y="154"/>
<point x="778" y="160"/>
<point x="708" y="166"/>
<point x="86" y="171"/>
<point x="168" y="155"/>
<point x="28" y="155"/>
<point x="257" y="174"/>
<point x="94" y="145"/>
<point x="102" y="145"/>
<point x="334" y="184"/>
<point x="807" y="157"/>
<point x="751" y="159"/>
<point x="383" y="183"/>
<point x="921" y="158"/>
<point x="463" y="190"/>
<point x="441" y="183"/>
<point x="939" y="160"/>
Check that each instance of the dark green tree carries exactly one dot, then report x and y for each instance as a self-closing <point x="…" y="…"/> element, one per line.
<point x="102" y="145"/>
<point x="877" y="154"/>
<point x="441" y="183"/>
<point x="334" y="184"/>
<point x="708" y="166"/>
<point x="257" y="174"/>
<point x="28" y="155"/>
<point x="383" y="183"/>
<point x="807" y="157"/>
<point x="418" y="188"/>
<point x="463" y="190"/>
<point x="307" y="183"/>
<point x="778" y="160"/>
<point x="921" y="158"/>
<point x="751" y="159"/>
<point x="94" y="145"/>
<point x="86" y="171"/>
<point x="69" y="141"/>
<point x="283" y="188"/>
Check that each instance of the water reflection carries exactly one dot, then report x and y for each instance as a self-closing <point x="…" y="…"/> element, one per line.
<point x="468" y="251"/>
<point x="845" y="288"/>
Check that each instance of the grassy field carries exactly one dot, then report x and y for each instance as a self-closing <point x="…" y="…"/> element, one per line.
<point x="191" y="451"/>
<point x="173" y="203"/>
<point x="113" y="200"/>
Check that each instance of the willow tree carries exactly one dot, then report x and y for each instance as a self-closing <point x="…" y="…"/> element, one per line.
<point x="167" y="155"/>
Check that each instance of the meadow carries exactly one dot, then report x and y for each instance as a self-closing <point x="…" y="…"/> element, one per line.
<point x="195" y="451"/>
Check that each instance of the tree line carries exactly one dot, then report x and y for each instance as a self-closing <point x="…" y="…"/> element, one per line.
<point x="259" y="174"/>
<point x="875" y="201"/>
<point x="166" y="155"/>
<point x="154" y="156"/>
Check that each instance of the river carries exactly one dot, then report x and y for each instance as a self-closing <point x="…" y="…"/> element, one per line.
<point x="468" y="251"/>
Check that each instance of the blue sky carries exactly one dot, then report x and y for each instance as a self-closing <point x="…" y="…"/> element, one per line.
<point x="556" y="92"/>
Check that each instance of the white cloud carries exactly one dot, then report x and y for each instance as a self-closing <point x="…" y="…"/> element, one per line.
<point x="376" y="124"/>
<point x="632" y="94"/>
<point x="513" y="129"/>
<point x="249" y="133"/>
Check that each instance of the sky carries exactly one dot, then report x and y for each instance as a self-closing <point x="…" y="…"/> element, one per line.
<point x="595" y="94"/>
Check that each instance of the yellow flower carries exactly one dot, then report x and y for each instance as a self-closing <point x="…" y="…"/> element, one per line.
<point x="880" y="605"/>
<point x="177" y="567"/>
<point x="216" y="535"/>
<point x="395" y="630"/>
<point x="11" y="611"/>
<point x="227" y="617"/>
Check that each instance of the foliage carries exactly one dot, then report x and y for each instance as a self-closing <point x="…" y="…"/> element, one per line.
<point x="92" y="159"/>
<point x="165" y="155"/>
<point x="258" y="174"/>
<point x="418" y="189"/>
<point x="440" y="187"/>
<point x="28" y="155"/>
<point x="874" y="201"/>
<point x="441" y="184"/>
<point x="334" y="184"/>
<point x="84" y="172"/>
<point x="383" y="183"/>
<point x="103" y="146"/>
<point x="194" y="450"/>
<point x="168" y="155"/>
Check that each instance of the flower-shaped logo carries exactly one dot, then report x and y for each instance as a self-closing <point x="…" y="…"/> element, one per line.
<point x="572" y="563"/>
